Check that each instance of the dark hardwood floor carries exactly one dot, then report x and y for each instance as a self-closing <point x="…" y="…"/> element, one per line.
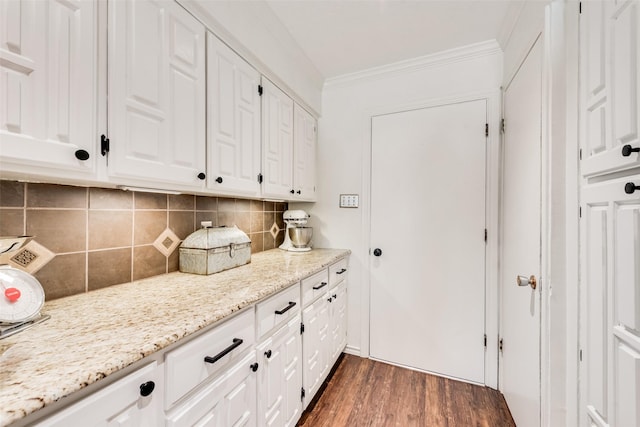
<point x="362" y="392"/>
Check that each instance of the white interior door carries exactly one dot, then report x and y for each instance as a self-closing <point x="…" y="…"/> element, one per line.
<point x="428" y="219"/>
<point x="520" y="308"/>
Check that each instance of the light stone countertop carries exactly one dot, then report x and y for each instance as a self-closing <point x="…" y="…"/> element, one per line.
<point x="92" y="335"/>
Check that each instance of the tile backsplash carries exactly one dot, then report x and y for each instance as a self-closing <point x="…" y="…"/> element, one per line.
<point x="90" y="238"/>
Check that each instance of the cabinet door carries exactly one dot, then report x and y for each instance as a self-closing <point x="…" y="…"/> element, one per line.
<point x="121" y="404"/>
<point x="304" y="155"/>
<point x="610" y="332"/>
<point x="338" y="322"/>
<point x="277" y="142"/>
<point x="315" y="346"/>
<point x="280" y="376"/>
<point x="610" y="91"/>
<point x="234" y="122"/>
<point x="48" y="81"/>
<point x="230" y="400"/>
<point x="156" y="93"/>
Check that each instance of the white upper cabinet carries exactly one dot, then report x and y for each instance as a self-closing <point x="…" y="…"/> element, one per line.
<point x="610" y="90"/>
<point x="48" y="88"/>
<point x="277" y="142"/>
<point x="234" y="122"/>
<point x="157" y="89"/>
<point x="304" y="155"/>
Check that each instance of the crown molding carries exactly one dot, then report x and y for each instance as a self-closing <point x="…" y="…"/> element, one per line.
<point x="476" y="50"/>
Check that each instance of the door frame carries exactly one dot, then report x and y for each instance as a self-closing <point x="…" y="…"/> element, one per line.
<point x="493" y="100"/>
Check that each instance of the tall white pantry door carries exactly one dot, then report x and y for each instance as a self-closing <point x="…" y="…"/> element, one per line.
<point x="610" y="214"/>
<point x="427" y="228"/>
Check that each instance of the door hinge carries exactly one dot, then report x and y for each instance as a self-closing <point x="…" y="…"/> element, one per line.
<point x="485" y="235"/>
<point x="260" y="177"/>
<point x="502" y="125"/>
<point x="580" y="355"/>
<point x="104" y="145"/>
<point x="486" y="129"/>
<point x="580" y="7"/>
<point x="500" y="345"/>
<point x="485" y="340"/>
<point x="579" y="211"/>
<point x="580" y="154"/>
<point x="301" y="328"/>
<point x="302" y="393"/>
<point x="260" y="90"/>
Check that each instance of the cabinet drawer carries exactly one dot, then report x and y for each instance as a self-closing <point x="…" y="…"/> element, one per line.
<point x="314" y="286"/>
<point x="277" y="309"/>
<point x="185" y="367"/>
<point x="337" y="272"/>
<point x="136" y="397"/>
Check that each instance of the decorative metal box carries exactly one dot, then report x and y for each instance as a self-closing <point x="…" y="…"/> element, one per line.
<point x="210" y="250"/>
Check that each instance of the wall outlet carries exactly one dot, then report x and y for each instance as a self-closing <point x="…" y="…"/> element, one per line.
<point x="349" y="200"/>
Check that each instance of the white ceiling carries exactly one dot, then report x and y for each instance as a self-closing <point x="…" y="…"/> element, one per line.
<point x="345" y="36"/>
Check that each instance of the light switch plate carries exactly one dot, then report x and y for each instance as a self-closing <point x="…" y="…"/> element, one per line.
<point x="349" y="200"/>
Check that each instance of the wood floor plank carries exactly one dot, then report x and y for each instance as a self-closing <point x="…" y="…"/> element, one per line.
<point x="365" y="393"/>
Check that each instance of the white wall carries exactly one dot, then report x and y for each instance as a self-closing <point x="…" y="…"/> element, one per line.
<point x="254" y="32"/>
<point x="343" y="155"/>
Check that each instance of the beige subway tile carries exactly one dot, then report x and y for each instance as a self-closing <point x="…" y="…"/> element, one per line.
<point x="148" y="225"/>
<point x="204" y="203"/>
<point x="63" y="276"/>
<point x="226" y="219"/>
<point x="268" y="241"/>
<point x="182" y="202"/>
<point x="257" y="206"/>
<point x="110" y="267"/>
<point x="268" y="220"/>
<point x="269" y="206"/>
<point x="256" y="242"/>
<point x="147" y="262"/>
<point x="59" y="230"/>
<point x="226" y="205"/>
<point x="105" y="198"/>
<point x="110" y="229"/>
<point x="243" y="221"/>
<point x="11" y="222"/>
<point x="182" y="223"/>
<point x="56" y="196"/>
<point x="150" y="200"/>
<point x="11" y="194"/>
<point x="243" y="205"/>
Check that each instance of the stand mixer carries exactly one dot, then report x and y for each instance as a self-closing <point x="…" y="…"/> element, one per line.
<point x="297" y="237"/>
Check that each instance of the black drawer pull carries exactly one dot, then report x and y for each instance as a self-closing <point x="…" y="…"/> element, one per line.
<point x="82" y="154"/>
<point x="237" y="342"/>
<point x="341" y="271"/>
<point x="254" y="367"/>
<point x="630" y="188"/>
<point x="147" y="388"/>
<point x="335" y="296"/>
<point x="287" y="308"/>
<point x="268" y="354"/>
<point x="627" y="150"/>
<point x="322" y="285"/>
<point x="330" y="299"/>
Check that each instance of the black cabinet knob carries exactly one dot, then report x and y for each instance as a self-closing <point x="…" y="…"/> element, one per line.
<point x="82" y="155"/>
<point x="147" y="388"/>
<point x="330" y="299"/>
<point x="219" y="180"/>
<point x="292" y="191"/>
<point x="377" y="252"/>
<point x="201" y="175"/>
<point x="627" y="150"/>
<point x="268" y="354"/>
<point x="630" y="187"/>
<point x="299" y="192"/>
<point x="254" y="367"/>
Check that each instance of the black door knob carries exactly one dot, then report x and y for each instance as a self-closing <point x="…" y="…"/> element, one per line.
<point x="147" y="388"/>
<point x="292" y="191"/>
<point x="254" y="367"/>
<point x="219" y="180"/>
<point x="299" y="192"/>
<point x="82" y="155"/>
<point x="268" y="354"/>
<point x="630" y="187"/>
<point x="377" y="252"/>
<point x="201" y="175"/>
<point x="627" y="150"/>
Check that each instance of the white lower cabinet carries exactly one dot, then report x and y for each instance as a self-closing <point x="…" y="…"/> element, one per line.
<point x="133" y="401"/>
<point x="280" y="376"/>
<point x="230" y="400"/>
<point x="222" y="377"/>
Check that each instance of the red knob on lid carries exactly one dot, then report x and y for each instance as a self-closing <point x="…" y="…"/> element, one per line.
<point x="12" y="294"/>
